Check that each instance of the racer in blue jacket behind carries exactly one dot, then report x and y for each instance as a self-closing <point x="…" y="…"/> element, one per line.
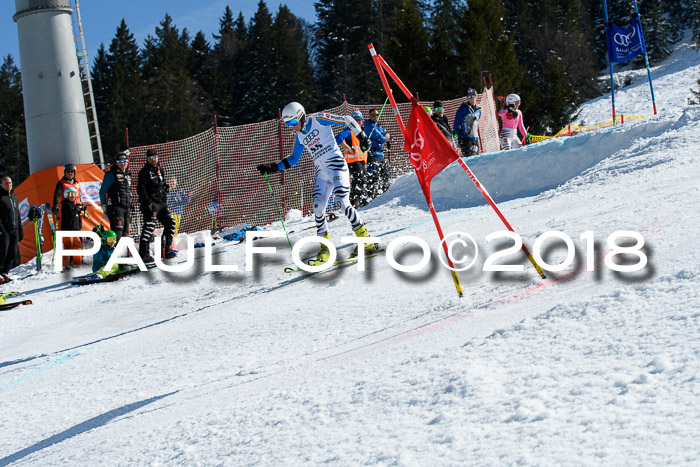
<point x="466" y="125"/>
<point x="377" y="165"/>
<point x="315" y="134"/>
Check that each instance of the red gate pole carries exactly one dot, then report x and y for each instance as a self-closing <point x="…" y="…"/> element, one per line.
<point x="218" y="172"/>
<point x="279" y="133"/>
<point x="383" y="67"/>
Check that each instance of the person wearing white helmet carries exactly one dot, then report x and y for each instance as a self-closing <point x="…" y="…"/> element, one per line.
<point x="512" y="122"/>
<point x="313" y="132"/>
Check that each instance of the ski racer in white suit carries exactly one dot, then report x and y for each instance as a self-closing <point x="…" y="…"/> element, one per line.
<point x="332" y="177"/>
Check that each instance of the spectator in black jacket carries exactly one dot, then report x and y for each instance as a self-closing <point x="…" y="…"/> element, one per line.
<point x="115" y="196"/>
<point x="153" y="198"/>
<point x="72" y="219"/>
<point x="441" y="120"/>
<point x="10" y="229"/>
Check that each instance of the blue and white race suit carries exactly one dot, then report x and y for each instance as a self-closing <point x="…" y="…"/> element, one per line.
<point x="332" y="175"/>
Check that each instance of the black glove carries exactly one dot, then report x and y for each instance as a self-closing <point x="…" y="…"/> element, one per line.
<point x="365" y="142"/>
<point x="268" y="168"/>
<point x="55" y="210"/>
<point x="388" y="144"/>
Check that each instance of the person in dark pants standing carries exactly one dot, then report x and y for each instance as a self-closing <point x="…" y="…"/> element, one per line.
<point x="153" y="198"/>
<point x="115" y="196"/>
<point x="466" y="125"/>
<point x="10" y="228"/>
<point x="377" y="165"/>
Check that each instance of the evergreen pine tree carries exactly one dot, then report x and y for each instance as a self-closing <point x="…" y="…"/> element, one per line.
<point x="696" y="22"/>
<point x="407" y="51"/>
<point x="206" y="73"/>
<point x="656" y="31"/>
<point x="387" y="12"/>
<point x="293" y="75"/>
<point x="229" y="52"/>
<point x="118" y="89"/>
<point x="14" y="161"/>
<point x="444" y="29"/>
<point x="343" y="64"/>
<point x="559" y="60"/>
<point x="257" y="81"/>
<point x="483" y="48"/>
<point x="172" y="110"/>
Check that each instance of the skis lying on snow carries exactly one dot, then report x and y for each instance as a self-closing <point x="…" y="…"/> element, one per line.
<point x="341" y="261"/>
<point x="96" y="279"/>
<point x="11" y="305"/>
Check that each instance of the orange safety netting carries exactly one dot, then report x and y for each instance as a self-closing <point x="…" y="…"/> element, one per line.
<point x="219" y="166"/>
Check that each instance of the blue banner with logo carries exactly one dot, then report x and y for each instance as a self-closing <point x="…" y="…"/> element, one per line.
<point x="624" y="44"/>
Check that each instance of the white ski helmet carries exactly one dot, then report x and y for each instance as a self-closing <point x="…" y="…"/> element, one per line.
<point x="512" y="99"/>
<point x="293" y="113"/>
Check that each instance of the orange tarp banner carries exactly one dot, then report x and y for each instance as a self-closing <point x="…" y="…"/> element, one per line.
<point x="38" y="189"/>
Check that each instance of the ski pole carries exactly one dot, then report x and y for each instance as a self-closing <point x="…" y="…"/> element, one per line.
<point x="278" y="211"/>
<point x="378" y="117"/>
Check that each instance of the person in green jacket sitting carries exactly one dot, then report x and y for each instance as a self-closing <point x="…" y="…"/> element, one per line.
<point x="100" y="259"/>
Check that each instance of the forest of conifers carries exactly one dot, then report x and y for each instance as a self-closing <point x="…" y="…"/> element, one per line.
<point x="551" y="52"/>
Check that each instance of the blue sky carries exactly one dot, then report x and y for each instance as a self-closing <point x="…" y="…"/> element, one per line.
<point x="100" y="18"/>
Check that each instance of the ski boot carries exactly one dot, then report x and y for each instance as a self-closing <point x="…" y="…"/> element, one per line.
<point x="369" y="247"/>
<point x="169" y="253"/>
<point x="324" y="254"/>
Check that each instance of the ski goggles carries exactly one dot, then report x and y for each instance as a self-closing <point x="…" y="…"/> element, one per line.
<point x="439" y="108"/>
<point x="111" y="241"/>
<point x="122" y="161"/>
<point x="292" y="122"/>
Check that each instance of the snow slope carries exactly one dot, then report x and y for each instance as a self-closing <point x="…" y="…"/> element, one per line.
<point x="380" y="367"/>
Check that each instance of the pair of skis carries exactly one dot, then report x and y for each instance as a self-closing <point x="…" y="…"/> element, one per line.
<point x="336" y="263"/>
<point x="8" y="306"/>
<point x="44" y="209"/>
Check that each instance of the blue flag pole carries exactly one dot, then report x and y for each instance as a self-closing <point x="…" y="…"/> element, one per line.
<point x="646" y="58"/>
<point x="607" y="34"/>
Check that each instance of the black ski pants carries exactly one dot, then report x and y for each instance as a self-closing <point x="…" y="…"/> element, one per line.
<point x="8" y="250"/>
<point x="151" y="213"/>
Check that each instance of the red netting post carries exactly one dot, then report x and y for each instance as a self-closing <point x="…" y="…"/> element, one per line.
<point x="218" y="173"/>
<point x="490" y="81"/>
<point x="622" y="119"/>
<point x="126" y="133"/>
<point x="279" y="132"/>
<point x="569" y="130"/>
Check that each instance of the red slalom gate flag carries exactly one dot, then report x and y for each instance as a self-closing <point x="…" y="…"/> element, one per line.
<point x="429" y="150"/>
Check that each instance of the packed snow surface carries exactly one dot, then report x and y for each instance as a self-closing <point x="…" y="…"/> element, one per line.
<point x="379" y="367"/>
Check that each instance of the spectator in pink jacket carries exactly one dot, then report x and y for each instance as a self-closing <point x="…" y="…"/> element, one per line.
<point x="512" y="121"/>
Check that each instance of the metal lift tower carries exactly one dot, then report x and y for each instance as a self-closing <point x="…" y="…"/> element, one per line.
<point x="54" y="107"/>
